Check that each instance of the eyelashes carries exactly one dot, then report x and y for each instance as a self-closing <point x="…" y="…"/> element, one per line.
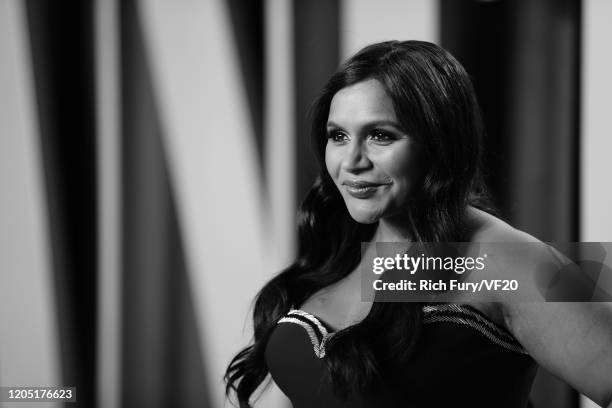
<point x="379" y="136"/>
<point x="336" y="136"/>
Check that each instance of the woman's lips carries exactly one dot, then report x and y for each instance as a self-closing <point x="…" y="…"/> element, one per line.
<point x="362" y="189"/>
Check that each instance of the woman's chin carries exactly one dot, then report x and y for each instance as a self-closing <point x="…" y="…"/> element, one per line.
<point x="364" y="217"/>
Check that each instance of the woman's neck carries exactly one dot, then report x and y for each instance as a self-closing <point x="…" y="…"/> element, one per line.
<point x="393" y="229"/>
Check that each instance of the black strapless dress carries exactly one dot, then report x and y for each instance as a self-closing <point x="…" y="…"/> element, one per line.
<point x="462" y="359"/>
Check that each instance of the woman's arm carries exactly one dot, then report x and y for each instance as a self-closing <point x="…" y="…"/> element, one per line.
<point x="571" y="340"/>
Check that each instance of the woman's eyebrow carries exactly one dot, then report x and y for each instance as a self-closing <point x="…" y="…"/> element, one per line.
<point x="383" y="123"/>
<point x="374" y="123"/>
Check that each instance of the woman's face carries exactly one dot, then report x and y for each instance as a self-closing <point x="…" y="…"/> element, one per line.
<point x="371" y="159"/>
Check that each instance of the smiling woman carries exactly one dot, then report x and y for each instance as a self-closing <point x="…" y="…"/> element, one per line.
<point x="397" y="131"/>
<point x="369" y="156"/>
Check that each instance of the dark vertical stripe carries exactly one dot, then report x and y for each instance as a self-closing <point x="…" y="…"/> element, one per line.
<point x="576" y="80"/>
<point x="477" y="34"/>
<point x="62" y="54"/>
<point x="545" y="102"/>
<point x="317" y="53"/>
<point x="247" y="19"/>
<point x="162" y="360"/>
<point x="525" y="57"/>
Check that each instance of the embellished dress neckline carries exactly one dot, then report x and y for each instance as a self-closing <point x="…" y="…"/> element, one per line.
<point x="461" y="358"/>
<point x="320" y="332"/>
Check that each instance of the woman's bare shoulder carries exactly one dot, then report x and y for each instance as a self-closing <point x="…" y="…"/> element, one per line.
<point x="485" y="227"/>
<point x="490" y="234"/>
<point x="512" y="254"/>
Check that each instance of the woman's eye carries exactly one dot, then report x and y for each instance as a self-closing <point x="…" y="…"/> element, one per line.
<point x="336" y="136"/>
<point x="381" y="136"/>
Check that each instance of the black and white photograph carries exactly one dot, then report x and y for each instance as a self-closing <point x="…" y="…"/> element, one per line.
<point x="305" y="203"/>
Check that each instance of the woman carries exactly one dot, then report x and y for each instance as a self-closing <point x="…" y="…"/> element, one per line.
<point x="397" y="131"/>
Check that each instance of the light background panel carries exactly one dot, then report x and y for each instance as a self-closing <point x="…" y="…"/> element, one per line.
<point x="279" y="137"/>
<point x="213" y="170"/>
<point x="596" y="194"/>
<point x="29" y="340"/>
<point x="364" y="22"/>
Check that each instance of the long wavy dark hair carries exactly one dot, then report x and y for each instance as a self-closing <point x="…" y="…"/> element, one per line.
<point x="435" y="103"/>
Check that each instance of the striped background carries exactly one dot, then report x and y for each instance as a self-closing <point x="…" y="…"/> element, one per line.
<point x="153" y="154"/>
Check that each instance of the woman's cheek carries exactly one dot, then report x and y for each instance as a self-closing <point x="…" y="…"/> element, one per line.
<point x="330" y="162"/>
<point x="333" y="160"/>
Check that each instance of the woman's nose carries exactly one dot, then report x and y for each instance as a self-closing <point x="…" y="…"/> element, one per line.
<point x="355" y="157"/>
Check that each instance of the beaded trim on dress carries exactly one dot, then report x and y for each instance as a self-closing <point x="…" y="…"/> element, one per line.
<point x="469" y="316"/>
<point x="449" y="313"/>
<point x="316" y="331"/>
